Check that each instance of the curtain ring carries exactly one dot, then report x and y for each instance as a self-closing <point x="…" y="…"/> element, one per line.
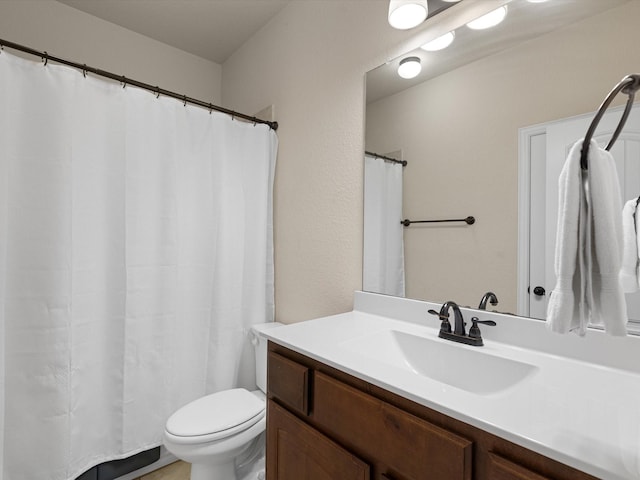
<point x="84" y="70"/>
<point x="45" y="59"/>
<point x="157" y="92"/>
<point x="124" y="81"/>
<point x="210" y="108"/>
<point x="184" y="97"/>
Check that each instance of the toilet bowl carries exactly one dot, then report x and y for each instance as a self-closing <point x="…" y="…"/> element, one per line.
<point x="211" y="432"/>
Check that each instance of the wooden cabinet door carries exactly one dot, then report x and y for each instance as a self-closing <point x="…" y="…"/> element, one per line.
<point x="411" y="447"/>
<point x="288" y="382"/>
<point x="296" y="451"/>
<point x="503" y="469"/>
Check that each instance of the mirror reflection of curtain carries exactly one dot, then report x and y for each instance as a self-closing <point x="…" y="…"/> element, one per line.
<point x="383" y="263"/>
<point x="135" y="252"/>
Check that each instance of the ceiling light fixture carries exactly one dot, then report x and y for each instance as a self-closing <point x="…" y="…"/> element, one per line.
<point x="443" y="41"/>
<point x="489" y="20"/>
<point x="406" y="14"/>
<point x="535" y="1"/>
<point x="409" y="67"/>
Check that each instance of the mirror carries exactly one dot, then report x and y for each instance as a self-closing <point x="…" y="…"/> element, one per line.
<point x="457" y="125"/>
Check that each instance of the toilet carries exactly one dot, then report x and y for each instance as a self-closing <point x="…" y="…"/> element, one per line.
<point x="213" y="431"/>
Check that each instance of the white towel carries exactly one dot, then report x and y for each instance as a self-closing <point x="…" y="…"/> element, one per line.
<point x="629" y="274"/>
<point x="588" y="247"/>
<point x="564" y="308"/>
<point x="610" y="307"/>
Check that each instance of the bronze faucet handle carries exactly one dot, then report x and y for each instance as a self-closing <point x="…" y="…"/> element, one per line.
<point x="445" y="326"/>
<point x="474" y="331"/>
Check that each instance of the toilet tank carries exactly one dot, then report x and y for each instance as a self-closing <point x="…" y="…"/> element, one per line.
<point x="259" y="342"/>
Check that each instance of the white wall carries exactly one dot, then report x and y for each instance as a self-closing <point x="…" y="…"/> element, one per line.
<point x="65" y="32"/>
<point x="309" y="62"/>
<point x="463" y="148"/>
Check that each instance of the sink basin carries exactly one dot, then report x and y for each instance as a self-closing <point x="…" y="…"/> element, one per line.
<point x="467" y="368"/>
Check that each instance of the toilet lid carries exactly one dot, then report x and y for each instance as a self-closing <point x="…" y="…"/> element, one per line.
<point x="217" y="413"/>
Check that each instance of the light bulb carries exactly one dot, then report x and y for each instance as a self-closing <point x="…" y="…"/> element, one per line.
<point x="409" y="67"/>
<point x="443" y="41"/>
<point x="405" y="14"/>
<point x="489" y="20"/>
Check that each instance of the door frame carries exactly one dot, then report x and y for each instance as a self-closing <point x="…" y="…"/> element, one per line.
<point x="525" y="134"/>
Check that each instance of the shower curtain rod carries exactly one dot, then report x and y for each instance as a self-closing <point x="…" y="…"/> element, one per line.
<point x="128" y="81"/>
<point x="388" y="159"/>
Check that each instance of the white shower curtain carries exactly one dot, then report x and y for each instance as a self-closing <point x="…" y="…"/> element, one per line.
<point x="383" y="263"/>
<point x="135" y="251"/>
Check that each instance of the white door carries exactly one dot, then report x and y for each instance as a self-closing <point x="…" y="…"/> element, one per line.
<point x="548" y="151"/>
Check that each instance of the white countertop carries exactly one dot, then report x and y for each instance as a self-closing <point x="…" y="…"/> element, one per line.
<point x="570" y="408"/>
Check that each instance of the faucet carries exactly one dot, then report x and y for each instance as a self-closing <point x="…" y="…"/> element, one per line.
<point x="488" y="297"/>
<point x="459" y="334"/>
<point x="457" y="315"/>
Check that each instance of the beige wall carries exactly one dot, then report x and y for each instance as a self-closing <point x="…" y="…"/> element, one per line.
<point x="309" y="62"/>
<point x="65" y="32"/>
<point x="460" y="134"/>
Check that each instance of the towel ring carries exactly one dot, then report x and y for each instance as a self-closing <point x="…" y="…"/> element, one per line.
<point x="628" y="85"/>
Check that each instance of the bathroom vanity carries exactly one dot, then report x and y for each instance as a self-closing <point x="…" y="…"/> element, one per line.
<point x="375" y="394"/>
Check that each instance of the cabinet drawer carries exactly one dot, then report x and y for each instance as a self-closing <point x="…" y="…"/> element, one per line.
<point x="295" y="451"/>
<point x="288" y="381"/>
<point x="502" y="469"/>
<point x="371" y="428"/>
